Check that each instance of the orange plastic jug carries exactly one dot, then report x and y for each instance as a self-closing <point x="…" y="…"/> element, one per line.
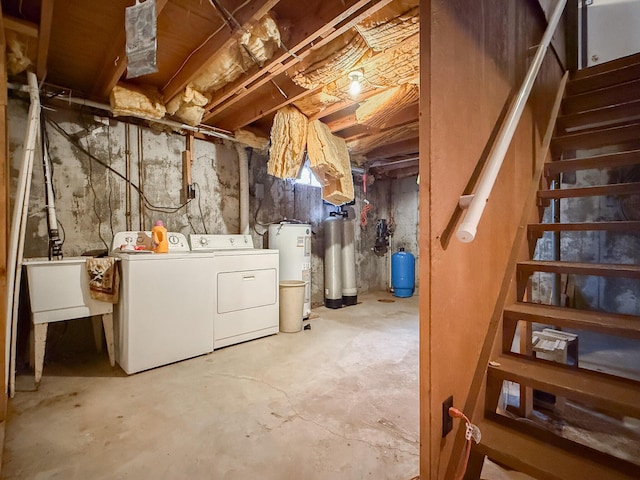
<point x="159" y="238"/>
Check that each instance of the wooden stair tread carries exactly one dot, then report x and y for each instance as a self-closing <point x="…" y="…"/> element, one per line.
<point x="608" y="78"/>
<point x="537" y="458"/>
<point x="594" y="389"/>
<point x="607" y="67"/>
<point x="598" y="137"/>
<point x="602" y="97"/>
<point x="609" y="160"/>
<point x="578" y="268"/>
<point x="632" y="226"/>
<point x="610" y="115"/>
<point x="608" y="323"/>
<point x="598" y="190"/>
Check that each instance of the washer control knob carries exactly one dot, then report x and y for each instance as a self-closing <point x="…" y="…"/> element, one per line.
<point x="232" y="240"/>
<point x="246" y="240"/>
<point x="203" y="241"/>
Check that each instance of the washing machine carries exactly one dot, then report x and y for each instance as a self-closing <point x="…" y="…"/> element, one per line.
<point x="165" y="308"/>
<point x="245" y="288"/>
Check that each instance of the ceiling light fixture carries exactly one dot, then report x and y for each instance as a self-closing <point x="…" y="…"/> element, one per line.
<point x="356" y="77"/>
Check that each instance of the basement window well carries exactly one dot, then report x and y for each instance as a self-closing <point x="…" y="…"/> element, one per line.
<point x="307" y="177"/>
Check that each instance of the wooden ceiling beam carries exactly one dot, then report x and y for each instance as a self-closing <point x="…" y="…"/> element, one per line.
<point x="404" y="147"/>
<point x="116" y="63"/>
<point x="393" y="164"/>
<point x="22" y="27"/>
<point x="44" y="34"/>
<point x="333" y="22"/>
<point x="199" y="58"/>
<point x="397" y="174"/>
<point x="267" y="100"/>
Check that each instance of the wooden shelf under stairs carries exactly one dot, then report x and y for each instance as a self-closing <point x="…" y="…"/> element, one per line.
<point x="601" y="108"/>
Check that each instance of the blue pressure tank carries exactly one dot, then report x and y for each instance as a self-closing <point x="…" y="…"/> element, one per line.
<point x="403" y="273"/>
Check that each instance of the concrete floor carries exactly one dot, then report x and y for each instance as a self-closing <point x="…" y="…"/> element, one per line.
<point x="339" y="401"/>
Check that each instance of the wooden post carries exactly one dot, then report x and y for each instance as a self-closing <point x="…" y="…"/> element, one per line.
<point x="4" y="217"/>
<point x="187" y="159"/>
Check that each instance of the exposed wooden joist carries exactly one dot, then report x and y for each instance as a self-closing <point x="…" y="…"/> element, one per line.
<point x="116" y="63"/>
<point x="44" y="34"/>
<point x="199" y="58"/>
<point x="404" y="147"/>
<point x="394" y="164"/>
<point x="333" y="21"/>
<point x="265" y="101"/>
<point x="20" y="26"/>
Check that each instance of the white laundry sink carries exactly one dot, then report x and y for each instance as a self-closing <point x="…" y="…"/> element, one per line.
<point x="59" y="290"/>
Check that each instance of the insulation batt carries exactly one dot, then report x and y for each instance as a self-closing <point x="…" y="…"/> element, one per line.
<point x="136" y="102"/>
<point x="375" y="111"/>
<point x="252" y="140"/>
<point x="189" y="106"/>
<point x="262" y="40"/>
<point x="331" y="61"/>
<point x="329" y="160"/>
<point x="391" y="25"/>
<point x="288" y="139"/>
<point x="17" y="59"/>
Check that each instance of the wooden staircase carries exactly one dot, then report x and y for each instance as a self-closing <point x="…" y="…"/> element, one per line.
<point x="598" y="128"/>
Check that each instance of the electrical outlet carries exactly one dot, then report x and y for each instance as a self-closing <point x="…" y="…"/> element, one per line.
<point x="447" y="420"/>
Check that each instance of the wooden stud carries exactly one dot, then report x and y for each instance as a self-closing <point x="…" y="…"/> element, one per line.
<point x="39" y="347"/>
<point x="107" y="324"/>
<point x="44" y="34"/>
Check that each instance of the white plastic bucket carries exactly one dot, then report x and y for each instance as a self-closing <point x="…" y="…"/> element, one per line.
<point x="291" y="305"/>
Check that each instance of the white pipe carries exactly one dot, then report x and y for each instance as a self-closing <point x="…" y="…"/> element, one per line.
<point x="243" y="165"/>
<point x="18" y="224"/>
<point x="469" y="227"/>
<point x="161" y="121"/>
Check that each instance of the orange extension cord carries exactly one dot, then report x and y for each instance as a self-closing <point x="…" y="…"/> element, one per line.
<point x="364" y="212"/>
<point x="455" y="413"/>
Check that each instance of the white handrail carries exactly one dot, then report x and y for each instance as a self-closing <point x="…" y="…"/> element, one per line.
<point x="476" y="202"/>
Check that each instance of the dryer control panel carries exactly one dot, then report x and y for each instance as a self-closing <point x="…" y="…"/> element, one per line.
<point x="201" y="243"/>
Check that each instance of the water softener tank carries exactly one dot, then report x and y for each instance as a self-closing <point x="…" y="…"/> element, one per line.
<point x="333" y="262"/>
<point x="349" y="287"/>
<point x="403" y="273"/>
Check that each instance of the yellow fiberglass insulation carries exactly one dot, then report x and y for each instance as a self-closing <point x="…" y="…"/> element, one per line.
<point x="261" y="39"/>
<point x="329" y="161"/>
<point x="288" y="139"/>
<point x="134" y="101"/>
<point x="331" y="61"/>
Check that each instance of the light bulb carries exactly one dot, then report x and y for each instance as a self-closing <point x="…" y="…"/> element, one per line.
<point x="355" y="87"/>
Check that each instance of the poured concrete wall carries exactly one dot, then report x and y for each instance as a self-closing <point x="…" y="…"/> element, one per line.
<point x="618" y="295"/>
<point x="91" y="200"/>
<point x="286" y="200"/>
<point x="405" y="208"/>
